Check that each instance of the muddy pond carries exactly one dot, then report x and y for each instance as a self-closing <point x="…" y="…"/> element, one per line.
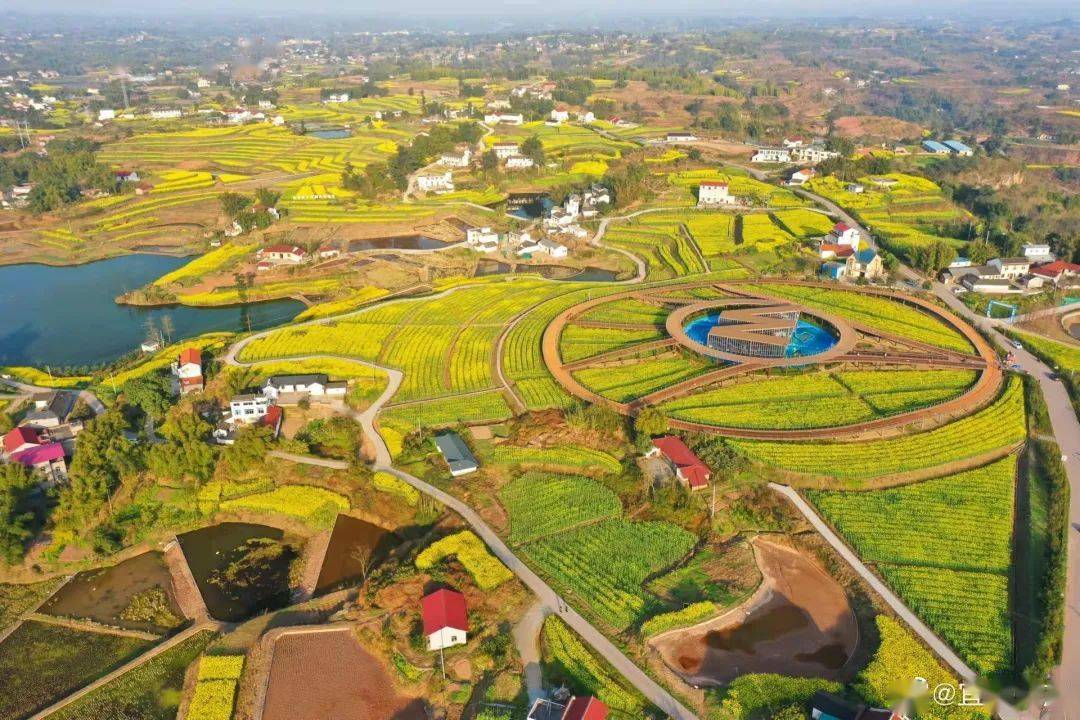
<point x="104" y="594"/>
<point x="798" y="622"/>
<point x="400" y="242"/>
<point x="356" y="547"/>
<point x="208" y="550"/>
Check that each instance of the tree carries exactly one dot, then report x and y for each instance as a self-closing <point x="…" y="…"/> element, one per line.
<point x="6" y="423"/>
<point x="489" y="162"/>
<point x="256" y="574"/>
<point x="186" y="452"/>
<point x="103" y="457"/>
<point x="534" y="149"/>
<point x="16" y="521"/>
<point x="267" y="197"/>
<point x="650" y="422"/>
<point x="248" y="451"/>
<point x="151" y="393"/>
<point x="979" y="251"/>
<point x="233" y="203"/>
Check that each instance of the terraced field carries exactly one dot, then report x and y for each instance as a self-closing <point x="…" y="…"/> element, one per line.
<point x="945" y="545"/>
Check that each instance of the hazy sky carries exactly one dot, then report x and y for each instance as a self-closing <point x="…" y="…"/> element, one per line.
<point x="568" y="9"/>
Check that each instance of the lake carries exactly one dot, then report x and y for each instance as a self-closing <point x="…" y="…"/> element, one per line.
<point x="65" y="316"/>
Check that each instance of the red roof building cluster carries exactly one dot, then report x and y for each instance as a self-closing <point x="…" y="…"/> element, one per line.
<point x="444" y="608"/>
<point x="191" y="356"/>
<point x="711" y="183"/>
<point x="585" y="708"/>
<point x="18" y="438"/>
<point x="1056" y="269"/>
<point x="688" y="466"/>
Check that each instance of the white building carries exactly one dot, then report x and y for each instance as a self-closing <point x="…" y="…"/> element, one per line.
<point x="166" y="114"/>
<point x="106" y="114"/>
<point x="842" y="234"/>
<point x="812" y="154"/>
<point x="560" y="115"/>
<point x="505" y="119"/>
<point x="188" y="370"/>
<point x="458" y="158"/>
<point x="445" y="619"/>
<point x="680" y="137"/>
<point x="482" y="239"/>
<point x="800" y="176"/>
<point x="1011" y="268"/>
<point x="1038" y="252"/>
<point x="436" y="183"/>
<point x="519" y="162"/>
<point x="506" y="150"/>
<point x="248" y="408"/>
<point x="712" y="193"/>
<point x="586" y="117"/>
<point x="770" y="155"/>
<point x="553" y="248"/>
<point x="282" y="254"/>
<point x="313" y="385"/>
<point x="335" y="98"/>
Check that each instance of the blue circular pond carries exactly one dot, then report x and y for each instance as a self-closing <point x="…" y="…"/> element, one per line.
<point x="808" y="338"/>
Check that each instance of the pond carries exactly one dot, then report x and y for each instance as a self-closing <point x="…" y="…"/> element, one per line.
<point x="66" y="316"/>
<point x="356" y="547"/>
<point x="331" y="133"/>
<point x="208" y="549"/>
<point x="529" y="206"/>
<point x="799" y="623"/>
<point x="401" y="242"/>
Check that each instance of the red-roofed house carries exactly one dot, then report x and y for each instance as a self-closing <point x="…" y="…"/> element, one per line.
<point x="800" y="176"/>
<point x="585" y="708"/>
<point x="1059" y="271"/>
<point x="688" y="467"/>
<point x="272" y="419"/>
<point x="828" y="251"/>
<point x="279" y="254"/>
<point x="446" y="621"/>
<point x="47" y="459"/>
<point x="188" y="370"/>
<point x="842" y="234"/>
<point x="20" y="439"/>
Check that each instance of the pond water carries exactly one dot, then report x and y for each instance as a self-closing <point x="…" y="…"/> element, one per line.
<point x="529" y="206"/>
<point x="807" y="339"/>
<point x="355" y="546"/>
<point x="103" y="594"/>
<point x="402" y="242"/>
<point x="61" y="316"/>
<point x="331" y="134"/>
<point x="207" y="550"/>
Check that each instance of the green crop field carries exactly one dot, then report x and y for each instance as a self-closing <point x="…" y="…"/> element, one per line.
<point x="641" y="377"/>
<point x="661" y="242"/>
<point x="605" y="564"/>
<point x="945" y="545"/>
<point x="878" y="313"/>
<point x="571" y="458"/>
<point x="149" y="692"/>
<point x="41" y="663"/>
<point x="819" y="399"/>
<point x="997" y="427"/>
<point x="582" y="670"/>
<point x="740" y="184"/>
<point x="578" y="343"/>
<point x="804" y="223"/>
<point x="540" y="505"/>
<point x="212" y="262"/>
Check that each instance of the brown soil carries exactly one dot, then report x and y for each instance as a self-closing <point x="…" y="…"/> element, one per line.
<point x="322" y="675"/>
<point x="877" y="127"/>
<point x="799" y="622"/>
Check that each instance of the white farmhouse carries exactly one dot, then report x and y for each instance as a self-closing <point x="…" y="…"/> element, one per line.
<point x="553" y="248"/>
<point x="712" y="193"/>
<point x="771" y="155"/>
<point x="446" y="620"/>
<point x="560" y="115"/>
<point x="459" y="158"/>
<point x="436" y="183"/>
<point x="505" y="119"/>
<point x="248" y="408"/>
<point x="106" y="114"/>
<point x="506" y="150"/>
<point x="519" y="162"/>
<point x="166" y="114"/>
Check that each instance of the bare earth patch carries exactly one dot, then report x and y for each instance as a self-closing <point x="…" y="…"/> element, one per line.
<point x="327" y="674"/>
<point x="799" y="622"/>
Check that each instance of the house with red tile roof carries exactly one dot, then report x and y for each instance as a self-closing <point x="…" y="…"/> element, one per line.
<point x="1060" y="272"/>
<point x="446" y="619"/>
<point x="20" y="439"/>
<point x="687" y="466"/>
<point x="282" y="254"/>
<point x="585" y="707"/>
<point x="188" y="370"/>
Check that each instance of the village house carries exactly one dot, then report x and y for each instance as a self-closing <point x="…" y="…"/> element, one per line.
<point x="504" y="119"/>
<point x="770" y="155"/>
<point x="812" y="154"/>
<point x="336" y="98"/>
<point x="188" y="371"/>
<point x="801" y="176"/>
<point x="327" y="252"/>
<point x="553" y="248"/>
<point x="1011" y="268"/>
<point x="282" y="254"/>
<point x="680" y="137"/>
<point x="560" y="115"/>
<point x="713" y="192"/>
<point x="1060" y="273"/>
<point x="446" y="619"/>
<point x="853" y="264"/>
<point x="506" y="150"/>
<point x="457" y="454"/>
<point x="127" y="175"/>
<point x="959" y="148"/>
<point x="482" y="239"/>
<point x="51" y="410"/>
<point x="794" y="142"/>
<point x="580" y="707"/>
<point x="436" y="183"/>
<point x="166" y="114"/>
<point x="459" y="157"/>
<point x="36" y="451"/>
<point x="935" y="148"/>
<point x="1038" y="252"/>
<point x="519" y="162"/>
<point x="587" y="117"/>
<point x="106" y="114"/>
<point x="688" y="468"/>
<point x="248" y="407"/>
<point x="855" y="188"/>
<point x="843" y="234"/>
<point x="292" y="388"/>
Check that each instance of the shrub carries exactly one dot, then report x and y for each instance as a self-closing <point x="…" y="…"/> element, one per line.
<point x="394" y="485"/>
<point x="754" y="695"/>
<point x="689" y="615"/>
<point x="473" y="555"/>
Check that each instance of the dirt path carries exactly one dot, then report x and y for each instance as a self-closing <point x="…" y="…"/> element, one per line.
<point x="527" y="640"/>
<point x="89" y="626"/>
<point x="314" y="553"/>
<point x="185" y="589"/>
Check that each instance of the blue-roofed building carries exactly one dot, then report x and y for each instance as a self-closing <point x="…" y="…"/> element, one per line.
<point x="456" y="452"/>
<point x="833" y="270"/>
<point x="958" y="147"/>
<point x="933" y="146"/>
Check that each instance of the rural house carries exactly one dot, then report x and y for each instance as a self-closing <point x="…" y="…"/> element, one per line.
<point x="33" y="450"/>
<point x="581" y="707"/>
<point x="506" y="150"/>
<point x="714" y="192"/>
<point x="188" y="370"/>
<point x="446" y="620"/>
<point x="687" y="466"/>
<point x="50" y="410"/>
<point x="435" y="183"/>
<point x="282" y="254"/>
<point x="800" y="176"/>
<point x="312" y="385"/>
<point x="456" y="453"/>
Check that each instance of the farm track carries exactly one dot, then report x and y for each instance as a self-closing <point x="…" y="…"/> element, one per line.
<point x="90" y="626"/>
<point x="186" y="590"/>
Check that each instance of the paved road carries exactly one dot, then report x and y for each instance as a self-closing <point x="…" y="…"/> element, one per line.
<point x="527" y="640"/>
<point x="939" y="646"/>
<point x="309" y="460"/>
<point x="86" y="396"/>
